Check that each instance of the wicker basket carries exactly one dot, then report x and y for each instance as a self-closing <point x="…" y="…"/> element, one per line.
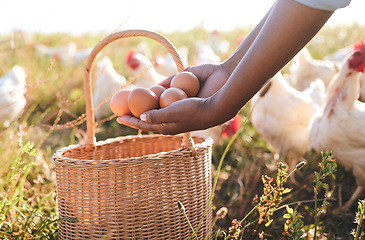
<point x="129" y="187"/>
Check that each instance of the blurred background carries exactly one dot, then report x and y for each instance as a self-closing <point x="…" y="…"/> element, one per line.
<point x="77" y="17"/>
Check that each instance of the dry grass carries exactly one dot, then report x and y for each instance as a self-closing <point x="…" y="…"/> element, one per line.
<point x="55" y="98"/>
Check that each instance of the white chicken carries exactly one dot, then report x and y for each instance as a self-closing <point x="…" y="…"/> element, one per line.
<point x="12" y="99"/>
<point x="317" y="91"/>
<point x="108" y="81"/>
<point x="144" y="49"/>
<point x="340" y="55"/>
<point x="81" y="54"/>
<point x="281" y="115"/>
<point x="165" y="64"/>
<point x="304" y="69"/>
<point x="205" y="54"/>
<point x="340" y="125"/>
<point x="143" y="69"/>
<point x="63" y="53"/>
<point x="220" y="46"/>
<point x="68" y="54"/>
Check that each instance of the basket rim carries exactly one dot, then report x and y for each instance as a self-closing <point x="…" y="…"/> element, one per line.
<point x="58" y="157"/>
<point x="88" y="85"/>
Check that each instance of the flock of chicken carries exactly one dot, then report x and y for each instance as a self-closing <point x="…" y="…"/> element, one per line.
<point x="13" y="83"/>
<point x="67" y="54"/>
<point x="317" y="106"/>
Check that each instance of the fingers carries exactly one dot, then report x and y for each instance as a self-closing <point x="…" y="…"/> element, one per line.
<point x="129" y="121"/>
<point x="133" y="122"/>
<point x="153" y="120"/>
<point x="166" y="83"/>
<point x="169" y="114"/>
<point x="201" y="71"/>
<point x="165" y="120"/>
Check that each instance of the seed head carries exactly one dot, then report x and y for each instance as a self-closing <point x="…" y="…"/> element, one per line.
<point x="301" y="164"/>
<point x="222" y="212"/>
<point x="180" y="206"/>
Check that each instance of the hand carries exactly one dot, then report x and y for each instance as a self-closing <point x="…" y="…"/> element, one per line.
<point x="188" y="114"/>
<point x="181" y="116"/>
<point x="211" y="77"/>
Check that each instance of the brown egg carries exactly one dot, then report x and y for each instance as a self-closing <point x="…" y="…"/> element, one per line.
<point x="171" y="95"/>
<point x="187" y="82"/>
<point x="141" y="100"/>
<point x="119" y="103"/>
<point x="158" y="89"/>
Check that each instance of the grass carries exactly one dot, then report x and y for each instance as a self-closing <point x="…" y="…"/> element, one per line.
<point x="358" y="233"/>
<point x="28" y="206"/>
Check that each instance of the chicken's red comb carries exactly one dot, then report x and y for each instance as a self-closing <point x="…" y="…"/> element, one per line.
<point x="360" y="45"/>
<point x="130" y="55"/>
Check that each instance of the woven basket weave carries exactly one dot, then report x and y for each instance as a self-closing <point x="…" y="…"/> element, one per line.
<point x="129" y="187"/>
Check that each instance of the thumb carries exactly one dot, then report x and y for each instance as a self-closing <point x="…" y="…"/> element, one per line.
<point x="156" y="116"/>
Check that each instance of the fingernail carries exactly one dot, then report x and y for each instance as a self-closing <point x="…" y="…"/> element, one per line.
<point x="143" y="117"/>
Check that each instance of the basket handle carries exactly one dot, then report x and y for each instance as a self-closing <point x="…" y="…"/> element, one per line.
<point x="187" y="140"/>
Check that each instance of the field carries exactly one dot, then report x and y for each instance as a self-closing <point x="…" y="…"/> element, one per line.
<point x="53" y="118"/>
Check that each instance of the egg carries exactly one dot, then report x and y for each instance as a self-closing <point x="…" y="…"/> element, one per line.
<point x="119" y="103"/>
<point x="187" y="82"/>
<point x="158" y="89"/>
<point x="171" y="95"/>
<point x="141" y="100"/>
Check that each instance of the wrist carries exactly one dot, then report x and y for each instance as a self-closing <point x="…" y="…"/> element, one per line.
<point x="218" y="112"/>
<point x="230" y="64"/>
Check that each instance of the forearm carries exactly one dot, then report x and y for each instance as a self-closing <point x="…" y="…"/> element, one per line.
<point x="231" y="63"/>
<point x="289" y="26"/>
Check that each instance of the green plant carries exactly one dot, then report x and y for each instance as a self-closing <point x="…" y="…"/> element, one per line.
<point x="293" y="226"/>
<point x="181" y="207"/>
<point x="268" y="202"/>
<point x="273" y="194"/>
<point x="221" y="213"/>
<point x="360" y="214"/>
<point x="234" y="229"/>
<point x="327" y="167"/>
<point x="26" y="201"/>
<point x="215" y="182"/>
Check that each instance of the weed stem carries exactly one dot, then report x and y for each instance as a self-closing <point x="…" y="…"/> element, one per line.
<point x="264" y="198"/>
<point x="360" y="220"/>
